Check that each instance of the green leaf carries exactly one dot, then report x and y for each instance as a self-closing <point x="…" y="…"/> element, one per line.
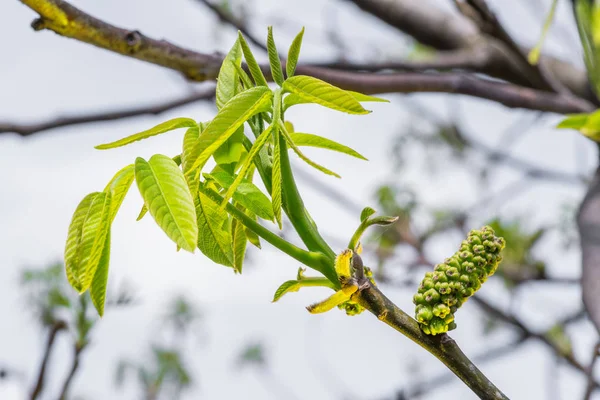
<point x="246" y="81"/>
<point x="276" y="177"/>
<point x="214" y="241"/>
<point x="295" y="285"/>
<point x="293" y="54"/>
<point x="366" y="98"/>
<point x="168" y="198"/>
<point x="224" y="124"/>
<point x="274" y="61"/>
<point x="246" y="193"/>
<point x="187" y="158"/>
<point x="157" y="130"/>
<point x="573" y="121"/>
<point x="228" y="84"/>
<point x="313" y="90"/>
<point x="118" y="187"/>
<point x="534" y="54"/>
<point x="238" y="233"/>
<point x="302" y="156"/>
<point x="231" y="151"/>
<point x="100" y="281"/>
<point x="307" y="139"/>
<point x="87" y="233"/>
<point x="286" y="287"/>
<point x="366" y="213"/>
<point x="253" y="66"/>
<point x="74" y="239"/>
<point x="258" y="144"/>
<point x="277" y="181"/>
<point x="253" y="238"/>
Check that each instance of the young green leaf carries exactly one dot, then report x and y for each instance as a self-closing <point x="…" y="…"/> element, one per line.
<point x="587" y="124"/>
<point x="366" y="213"/>
<point x="295" y="285"/>
<point x="231" y="151"/>
<point x="254" y="150"/>
<point x="307" y="139"/>
<point x="246" y="81"/>
<point x="228" y="84"/>
<point x="246" y="193"/>
<point x="177" y="160"/>
<point x="100" y="280"/>
<point x="274" y="61"/>
<point x="142" y="213"/>
<point x="168" y="198"/>
<point x="364" y="98"/>
<point x="276" y="180"/>
<point x="313" y="90"/>
<point x="118" y="187"/>
<point x="573" y="121"/>
<point x="224" y="124"/>
<point x="82" y="261"/>
<point x="293" y="54"/>
<point x="157" y="130"/>
<point x="238" y="233"/>
<point x="302" y="156"/>
<point x="253" y="66"/>
<point x="276" y="177"/>
<point x="74" y="240"/>
<point x="214" y="240"/>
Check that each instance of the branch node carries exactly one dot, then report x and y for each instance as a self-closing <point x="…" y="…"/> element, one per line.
<point x="133" y="40"/>
<point x="38" y="24"/>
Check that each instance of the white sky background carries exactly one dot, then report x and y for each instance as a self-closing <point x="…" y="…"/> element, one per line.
<point x="45" y="176"/>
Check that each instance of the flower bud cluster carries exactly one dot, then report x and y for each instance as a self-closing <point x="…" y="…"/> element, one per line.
<point x="451" y="283"/>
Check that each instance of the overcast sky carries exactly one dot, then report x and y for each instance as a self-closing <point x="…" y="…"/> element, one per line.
<point x="45" y="176"/>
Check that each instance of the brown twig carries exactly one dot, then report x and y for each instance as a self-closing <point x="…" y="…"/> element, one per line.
<point x="52" y="333"/>
<point x="74" y="367"/>
<point x="29" y="129"/>
<point x="591" y="386"/>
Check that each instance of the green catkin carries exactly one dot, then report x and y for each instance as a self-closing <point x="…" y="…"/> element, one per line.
<point x="451" y="283"/>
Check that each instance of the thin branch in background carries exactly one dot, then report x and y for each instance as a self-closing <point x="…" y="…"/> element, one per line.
<point x="52" y="333"/>
<point x="226" y="17"/>
<point x="591" y="386"/>
<point x="74" y="367"/>
<point x="30" y="129"/>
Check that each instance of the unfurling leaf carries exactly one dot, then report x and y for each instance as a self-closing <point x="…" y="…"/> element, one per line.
<point x="588" y="223"/>
<point x="295" y="285"/>
<point x="339" y="297"/>
<point x="312" y="90"/>
<point x="228" y="83"/>
<point x="100" y="280"/>
<point x="253" y="66"/>
<point x="293" y="54"/>
<point x="214" y="240"/>
<point x="366" y="213"/>
<point x="118" y="187"/>
<point x="307" y="139"/>
<point x="276" y="177"/>
<point x="247" y="194"/>
<point x="86" y="238"/>
<point x="227" y="121"/>
<point x="238" y="234"/>
<point x="232" y="150"/>
<point x="167" y="196"/>
<point x="299" y="153"/>
<point x="274" y="61"/>
<point x="157" y="130"/>
<point x="256" y="147"/>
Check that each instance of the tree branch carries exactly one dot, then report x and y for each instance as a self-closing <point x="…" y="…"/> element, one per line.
<point x="66" y="20"/>
<point x="29" y="129"/>
<point x="441" y="346"/>
<point x="39" y="385"/>
<point x="431" y="26"/>
<point x="74" y="367"/>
